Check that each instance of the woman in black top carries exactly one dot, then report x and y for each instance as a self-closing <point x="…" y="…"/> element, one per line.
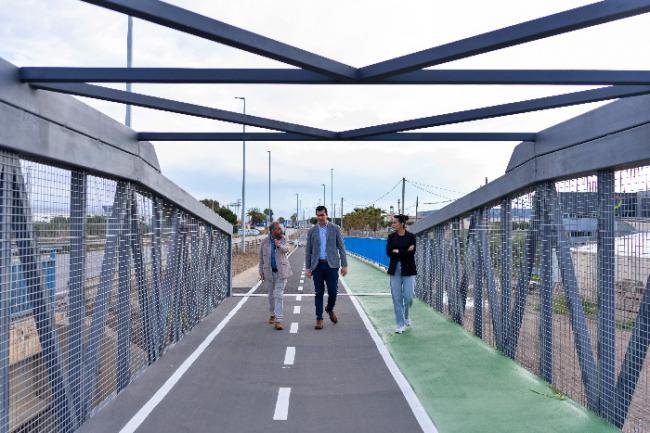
<point x="401" y="250"/>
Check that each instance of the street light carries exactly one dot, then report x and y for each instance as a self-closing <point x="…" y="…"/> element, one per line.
<point x="324" y="201"/>
<point x="243" y="183"/>
<point x="269" y="152"/>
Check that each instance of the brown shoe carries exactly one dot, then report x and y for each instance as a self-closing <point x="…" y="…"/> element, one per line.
<point x="278" y="326"/>
<point x="271" y="320"/>
<point x="319" y="324"/>
<point x="333" y="317"/>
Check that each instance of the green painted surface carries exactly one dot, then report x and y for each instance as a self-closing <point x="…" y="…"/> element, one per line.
<point x="465" y="385"/>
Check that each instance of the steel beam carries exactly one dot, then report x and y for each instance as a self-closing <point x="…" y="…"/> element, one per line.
<point x="486" y="258"/>
<point x="540" y="28"/>
<point x="606" y="295"/>
<point x="204" y="27"/>
<point x="103" y="296"/>
<point x="136" y="99"/>
<point x="275" y="136"/>
<point x="42" y="305"/>
<point x="506" y="267"/>
<point x="301" y="76"/>
<point x="576" y="310"/>
<point x="546" y="293"/>
<point x="76" y="292"/>
<point x="523" y="281"/>
<point x="527" y="106"/>
<point x="123" y="371"/>
<point x="156" y="267"/>
<point x="637" y="350"/>
<point x="478" y="283"/>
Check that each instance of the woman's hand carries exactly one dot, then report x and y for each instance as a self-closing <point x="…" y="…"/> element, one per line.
<point x="396" y="251"/>
<point x="411" y="248"/>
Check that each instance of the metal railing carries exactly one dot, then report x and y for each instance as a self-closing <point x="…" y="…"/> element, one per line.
<point x="550" y="264"/>
<point x="104" y="263"/>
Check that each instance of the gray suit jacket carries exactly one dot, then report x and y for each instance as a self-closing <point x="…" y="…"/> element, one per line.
<point x="335" y="248"/>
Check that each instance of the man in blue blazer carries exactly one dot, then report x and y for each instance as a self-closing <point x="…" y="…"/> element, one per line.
<point x="324" y="254"/>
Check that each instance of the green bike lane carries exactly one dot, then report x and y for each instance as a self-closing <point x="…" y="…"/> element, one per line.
<point x="463" y="384"/>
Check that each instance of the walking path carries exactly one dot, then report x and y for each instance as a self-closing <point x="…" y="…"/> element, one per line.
<point x="252" y="378"/>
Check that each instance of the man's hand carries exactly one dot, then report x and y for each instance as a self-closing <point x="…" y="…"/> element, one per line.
<point x="308" y="274"/>
<point x="411" y="248"/>
<point x="344" y="271"/>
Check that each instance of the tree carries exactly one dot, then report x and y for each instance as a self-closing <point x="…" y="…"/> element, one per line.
<point x="256" y="216"/>
<point x="369" y="218"/>
<point x="222" y="211"/>
<point x="267" y="211"/>
<point x="294" y="219"/>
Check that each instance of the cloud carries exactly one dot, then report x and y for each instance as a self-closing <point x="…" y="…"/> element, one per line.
<point x="74" y="33"/>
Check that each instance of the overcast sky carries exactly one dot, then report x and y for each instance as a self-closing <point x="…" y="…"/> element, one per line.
<point x="360" y="32"/>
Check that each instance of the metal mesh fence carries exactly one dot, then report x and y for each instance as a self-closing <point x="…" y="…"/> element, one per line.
<point x="556" y="277"/>
<point x="99" y="277"/>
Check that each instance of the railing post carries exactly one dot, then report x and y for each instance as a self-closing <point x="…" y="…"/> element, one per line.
<point x="156" y="259"/>
<point x="506" y="266"/>
<point x="76" y="289"/>
<point x="478" y="284"/>
<point x="606" y="294"/>
<point x="124" y="296"/>
<point x="546" y="294"/>
<point x="5" y="293"/>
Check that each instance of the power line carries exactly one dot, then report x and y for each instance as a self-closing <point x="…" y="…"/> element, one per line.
<point x="380" y="198"/>
<point x="433" y="186"/>
<point x="430" y="192"/>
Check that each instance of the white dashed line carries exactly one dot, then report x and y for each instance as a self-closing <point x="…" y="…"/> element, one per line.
<point x="300" y="288"/>
<point x="282" y="405"/>
<point x="290" y="355"/>
<point x="294" y="328"/>
<point x="299" y="298"/>
<point x="302" y="281"/>
<point x="296" y="309"/>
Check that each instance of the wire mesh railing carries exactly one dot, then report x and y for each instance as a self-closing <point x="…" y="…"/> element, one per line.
<point x="557" y="277"/>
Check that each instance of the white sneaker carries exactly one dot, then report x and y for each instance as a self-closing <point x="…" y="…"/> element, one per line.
<point x="408" y="322"/>
<point x="399" y="329"/>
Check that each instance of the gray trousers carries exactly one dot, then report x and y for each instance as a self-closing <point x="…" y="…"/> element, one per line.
<point x="275" y="289"/>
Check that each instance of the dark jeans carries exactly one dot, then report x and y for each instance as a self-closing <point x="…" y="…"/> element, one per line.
<point x="322" y="275"/>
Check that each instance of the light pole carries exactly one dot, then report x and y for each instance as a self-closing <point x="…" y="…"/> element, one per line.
<point x="332" y="192"/>
<point x="243" y="183"/>
<point x="324" y="201"/>
<point x="297" y="209"/>
<point x="270" y="218"/>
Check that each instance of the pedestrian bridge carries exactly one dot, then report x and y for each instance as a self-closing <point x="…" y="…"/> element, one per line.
<point x="118" y="312"/>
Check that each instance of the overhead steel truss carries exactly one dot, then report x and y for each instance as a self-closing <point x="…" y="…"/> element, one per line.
<point x="311" y="68"/>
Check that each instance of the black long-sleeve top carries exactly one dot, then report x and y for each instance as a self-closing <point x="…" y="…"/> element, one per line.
<point x="404" y="256"/>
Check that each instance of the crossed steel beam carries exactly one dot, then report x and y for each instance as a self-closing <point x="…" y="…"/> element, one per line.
<point x="316" y="69"/>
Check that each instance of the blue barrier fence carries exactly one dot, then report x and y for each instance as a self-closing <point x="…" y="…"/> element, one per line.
<point x="19" y="301"/>
<point x="369" y="248"/>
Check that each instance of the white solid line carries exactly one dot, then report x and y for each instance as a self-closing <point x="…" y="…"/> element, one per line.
<point x="294" y="328"/>
<point x="282" y="405"/>
<point x="290" y="355"/>
<point x="412" y="399"/>
<point x="300" y="288"/>
<point x="296" y="309"/>
<point x="150" y="405"/>
<point x="299" y="298"/>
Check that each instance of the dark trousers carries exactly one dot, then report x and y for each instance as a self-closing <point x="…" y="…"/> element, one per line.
<point x="322" y="275"/>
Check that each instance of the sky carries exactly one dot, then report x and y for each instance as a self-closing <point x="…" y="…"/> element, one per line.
<point x="359" y="33"/>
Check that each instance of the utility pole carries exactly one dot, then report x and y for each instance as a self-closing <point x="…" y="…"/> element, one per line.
<point x="324" y="200"/>
<point x="297" y="210"/>
<point x="332" y="192"/>
<point x="243" y="184"/>
<point x="399" y="206"/>
<point x="416" y="208"/>
<point x="129" y="64"/>
<point x="403" y="191"/>
<point x="341" y="211"/>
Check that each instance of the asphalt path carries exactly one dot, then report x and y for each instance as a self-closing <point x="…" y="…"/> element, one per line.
<point x="253" y="378"/>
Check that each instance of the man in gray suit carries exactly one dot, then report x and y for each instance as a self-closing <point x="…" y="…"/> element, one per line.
<point x="324" y="254"/>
